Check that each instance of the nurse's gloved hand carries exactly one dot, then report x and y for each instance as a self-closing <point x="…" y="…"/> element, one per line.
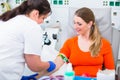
<point x="31" y="77"/>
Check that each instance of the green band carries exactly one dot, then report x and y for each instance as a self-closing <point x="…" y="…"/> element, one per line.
<point x="64" y="58"/>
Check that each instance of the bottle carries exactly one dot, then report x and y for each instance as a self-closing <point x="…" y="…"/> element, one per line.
<point x="69" y="74"/>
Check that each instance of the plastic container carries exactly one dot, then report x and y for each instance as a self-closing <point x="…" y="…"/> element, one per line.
<point x="69" y="74"/>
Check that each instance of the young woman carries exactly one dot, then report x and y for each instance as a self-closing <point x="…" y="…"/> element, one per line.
<point x="88" y="51"/>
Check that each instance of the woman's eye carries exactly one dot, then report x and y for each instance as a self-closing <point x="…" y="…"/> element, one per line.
<point x="79" y="23"/>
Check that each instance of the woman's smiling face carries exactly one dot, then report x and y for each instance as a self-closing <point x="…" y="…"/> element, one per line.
<point x="80" y="26"/>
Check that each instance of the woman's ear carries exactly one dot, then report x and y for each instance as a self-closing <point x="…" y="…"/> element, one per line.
<point x="35" y="13"/>
<point x="90" y="24"/>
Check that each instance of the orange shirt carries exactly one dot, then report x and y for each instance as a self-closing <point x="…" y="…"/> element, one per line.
<point x="83" y="62"/>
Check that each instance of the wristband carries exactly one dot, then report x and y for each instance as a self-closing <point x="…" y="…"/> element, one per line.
<point x="51" y="67"/>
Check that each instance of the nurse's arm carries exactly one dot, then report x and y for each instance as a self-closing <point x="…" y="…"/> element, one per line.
<point x="35" y="64"/>
<point x="58" y="61"/>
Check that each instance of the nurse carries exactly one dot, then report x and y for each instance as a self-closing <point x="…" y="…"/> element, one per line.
<point x="21" y="39"/>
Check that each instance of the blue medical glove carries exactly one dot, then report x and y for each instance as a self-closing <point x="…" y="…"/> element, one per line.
<point x="52" y="66"/>
<point x="31" y="77"/>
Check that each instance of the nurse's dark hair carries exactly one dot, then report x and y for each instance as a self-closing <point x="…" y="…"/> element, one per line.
<point x="95" y="37"/>
<point x="26" y="7"/>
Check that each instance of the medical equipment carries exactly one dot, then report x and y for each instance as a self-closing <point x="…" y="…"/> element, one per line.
<point x="69" y="73"/>
<point x="51" y="32"/>
<point x="46" y="39"/>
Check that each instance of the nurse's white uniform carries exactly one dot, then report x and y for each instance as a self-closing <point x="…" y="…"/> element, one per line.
<point x="18" y="36"/>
